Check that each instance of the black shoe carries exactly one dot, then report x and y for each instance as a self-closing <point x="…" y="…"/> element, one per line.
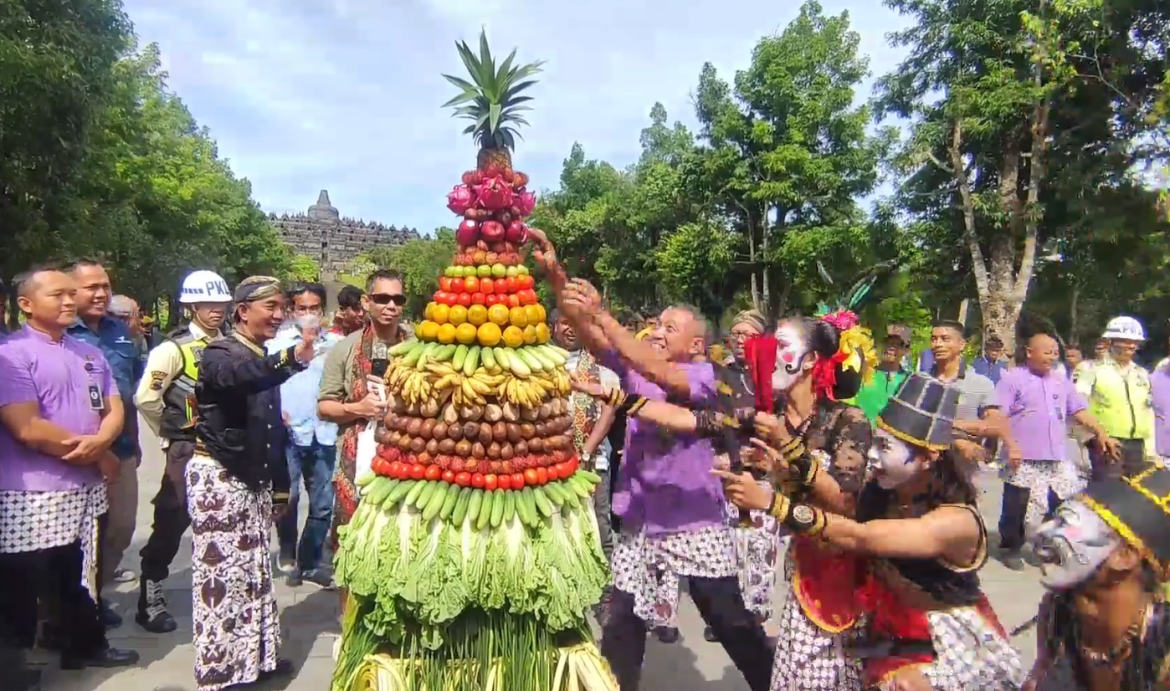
<point x="666" y="634"/>
<point x="709" y="635"/>
<point x="162" y="622"/>
<point x="318" y="577"/>
<point x="108" y="658"/>
<point x="110" y="618"/>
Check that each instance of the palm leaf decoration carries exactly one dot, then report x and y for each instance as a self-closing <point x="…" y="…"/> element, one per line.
<point x="491" y="98"/>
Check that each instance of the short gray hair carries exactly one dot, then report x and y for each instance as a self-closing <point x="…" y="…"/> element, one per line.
<point x="122" y="306"/>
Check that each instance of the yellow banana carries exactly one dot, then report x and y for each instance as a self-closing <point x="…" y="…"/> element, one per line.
<point x="478" y="386"/>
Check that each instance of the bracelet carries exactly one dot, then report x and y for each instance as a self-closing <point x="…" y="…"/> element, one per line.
<point x="616" y="397"/>
<point x="803" y="519"/>
<point x="805" y="468"/>
<point x="712" y="424"/>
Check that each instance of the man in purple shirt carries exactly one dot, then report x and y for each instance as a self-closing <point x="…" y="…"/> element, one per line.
<point x="1160" y="399"/>
<point x="1038" y="400"/>
<point x="59" y="414"/>
<point x="671" y="506"/>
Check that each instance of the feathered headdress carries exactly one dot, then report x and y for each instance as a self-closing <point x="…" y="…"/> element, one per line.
<point x="855" y="352"/>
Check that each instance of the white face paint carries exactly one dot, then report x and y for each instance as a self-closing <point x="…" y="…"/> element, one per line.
<point x="891" y="460"/>
<point x="790" y="353"/>
<point x="1073" y="545"/>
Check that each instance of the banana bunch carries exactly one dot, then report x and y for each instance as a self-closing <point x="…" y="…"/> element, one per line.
<point x="465" y="389"/>
<point x="554" y="381"/>
<point x="524" y="392"/>
<point x="416" y="388"/>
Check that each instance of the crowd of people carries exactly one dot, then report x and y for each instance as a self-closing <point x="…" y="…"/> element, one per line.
<point x="792" y="442"/>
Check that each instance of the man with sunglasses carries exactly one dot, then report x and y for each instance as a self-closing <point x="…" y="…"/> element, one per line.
<point x="345" y="396"/>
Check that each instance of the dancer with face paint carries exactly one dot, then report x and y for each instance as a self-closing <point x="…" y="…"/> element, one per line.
<point x="1105" y="624"/>
<point x="817" y="364"/>
<point x="929" y="625"/>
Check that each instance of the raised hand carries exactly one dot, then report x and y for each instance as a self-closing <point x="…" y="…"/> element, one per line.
<point x="587" y="387"/>
<point x="580" y="294"/>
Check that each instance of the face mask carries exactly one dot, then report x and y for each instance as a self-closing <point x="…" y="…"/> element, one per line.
<point x="891" y="460"/>
<point x="1073" y="545"/>
<point x="790" y="353"/>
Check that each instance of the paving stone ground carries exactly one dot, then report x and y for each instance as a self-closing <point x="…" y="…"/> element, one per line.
<point x="310" y="623"/>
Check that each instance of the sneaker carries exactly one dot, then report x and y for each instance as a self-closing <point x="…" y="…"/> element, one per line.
<point x="287" y="562"/>
<point x="125" y="576"/>
<point x="152" y="609"/>
<point x="108" y="658"/>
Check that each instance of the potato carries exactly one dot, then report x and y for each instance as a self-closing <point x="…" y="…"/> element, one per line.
<point x="493" y="450"/>
<point x="447" y="447"/>
<point x="463" y="448"/>
<point x="478" y="451"/>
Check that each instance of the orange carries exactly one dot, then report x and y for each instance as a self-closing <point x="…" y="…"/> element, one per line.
<point x="430" y="330"/>
<point x="457" y="315"/>
<point x="540" y="311"/>
<point x="488" y="334"/>
<point x="477" y="314"/>
<point x="530" y="334"/>
<point x="465" y="334"/>
<point x="418" y="330"/>
<point x="446" y="334"/>
<point x="430" y="310"/>
<point x="498" y="314"/>
<point x="440" y="314"/>
<point x="534" y="314"/>
<point x="542" y="333"/>
<point x="513" y="337"/>
<point x="517" y="317"/>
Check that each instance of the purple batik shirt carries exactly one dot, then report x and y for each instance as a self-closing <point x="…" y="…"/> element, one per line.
<point x="1160" y="393"/>
<point x="57" y="377"/>
<point x="665" y="484"/>
<point x="1038" y="408"/>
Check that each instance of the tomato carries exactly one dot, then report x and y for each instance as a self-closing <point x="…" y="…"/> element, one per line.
<point x="531" y="477"/>
<point x="505" y="481"/>
<point x="417" y="471"/>
<point x="477" y="480"/>
<point x="464" y="299"/>
<point x="510" y="284"/>
<point x="490" y="483"/>
<point x="463" y="479"/>
<point x="378" y="465"/>
<point x="452" y="299"/>
<point x="433" y="473"/>
<point x="458" y="286"/>
<point x="517" y="480"/>
<point x="554" y="473"/>
<point x="492" y="299"/>
<point x="541" y="476"/>
<point x="478" y="299"/>
<point x="445" y="284"/>
<point x="529" y="297"/>
<point x="513" y="301"/>
<point x="572" y="465"/>
<point x="526" y="282"/>
<point x="487" y="285"/>
<point x="471" y="284"/>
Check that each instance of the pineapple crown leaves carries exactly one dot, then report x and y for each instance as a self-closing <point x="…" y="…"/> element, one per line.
<point x="492" y="100"/>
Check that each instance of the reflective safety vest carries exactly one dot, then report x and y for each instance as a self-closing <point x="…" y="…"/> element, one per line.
<point x="178" y="417"/>
<point x="1122" y="402"/>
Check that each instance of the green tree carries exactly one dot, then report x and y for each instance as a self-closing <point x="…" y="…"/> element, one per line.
<point x="302" y="268"/>
<point x="787" y="154"/>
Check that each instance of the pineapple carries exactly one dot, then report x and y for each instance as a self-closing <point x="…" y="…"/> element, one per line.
<point x="492" y="102"/>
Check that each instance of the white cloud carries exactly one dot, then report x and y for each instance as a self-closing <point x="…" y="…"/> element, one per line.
<point x="344" y="94"/>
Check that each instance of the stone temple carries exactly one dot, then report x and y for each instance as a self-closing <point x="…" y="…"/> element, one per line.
<point x="331" y="240"/>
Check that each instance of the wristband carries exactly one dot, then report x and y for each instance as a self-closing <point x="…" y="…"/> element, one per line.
<point x="711" y="424"/>
<point x="616" y="398"/>
<point x="805" y="468"/>
<point x="801" y="519"/>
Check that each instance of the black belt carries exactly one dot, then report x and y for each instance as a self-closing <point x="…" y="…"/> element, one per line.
<point x="894" y="647"/>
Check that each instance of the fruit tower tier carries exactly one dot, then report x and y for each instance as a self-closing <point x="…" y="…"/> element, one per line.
<point x="473" y="556"/>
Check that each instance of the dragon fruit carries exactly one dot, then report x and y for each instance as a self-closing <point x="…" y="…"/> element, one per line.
<point x="467" y="233"/>
<point x="526" y="202"/>
<point x="494" y="194"/>
<point x="460" y="199"/>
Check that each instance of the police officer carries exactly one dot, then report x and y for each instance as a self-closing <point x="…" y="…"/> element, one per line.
<point x="165" y="398"/>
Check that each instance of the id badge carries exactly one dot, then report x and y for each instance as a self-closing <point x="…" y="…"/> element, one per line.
<point x="95" y="397"/>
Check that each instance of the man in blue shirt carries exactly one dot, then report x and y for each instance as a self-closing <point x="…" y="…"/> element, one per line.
<point x="95" y="326"/>
<point x="991" y="363"/>
<point x="312" y="452"/>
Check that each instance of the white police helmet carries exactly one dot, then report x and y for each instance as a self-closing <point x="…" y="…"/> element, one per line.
<point x="204" y="286"/>
<point x="1124" y="328"/>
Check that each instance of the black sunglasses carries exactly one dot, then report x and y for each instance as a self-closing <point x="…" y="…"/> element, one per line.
<point x="387" y="298"/>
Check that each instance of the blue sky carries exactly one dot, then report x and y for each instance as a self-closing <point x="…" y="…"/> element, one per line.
<point x="344" y="95"/>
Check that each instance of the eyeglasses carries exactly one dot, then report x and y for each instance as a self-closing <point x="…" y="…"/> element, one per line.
<point x="386" y="298"/>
